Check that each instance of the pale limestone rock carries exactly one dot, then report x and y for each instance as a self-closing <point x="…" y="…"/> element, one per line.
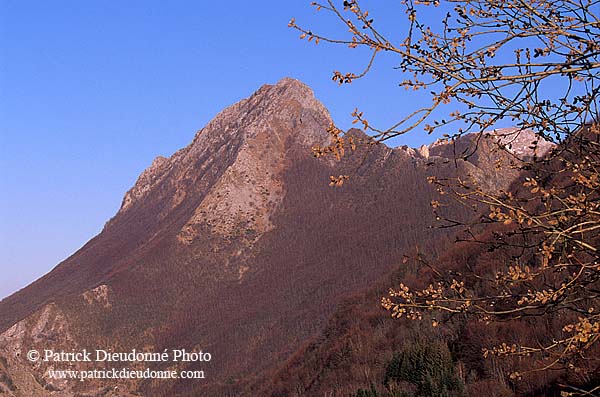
<point x="98" y="295"/>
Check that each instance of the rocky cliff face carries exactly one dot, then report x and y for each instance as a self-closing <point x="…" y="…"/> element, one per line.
<point x="235" y="245"/>
<point x="261" y="125"/>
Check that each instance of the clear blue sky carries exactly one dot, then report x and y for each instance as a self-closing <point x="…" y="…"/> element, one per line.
<point x="92" y="91"/>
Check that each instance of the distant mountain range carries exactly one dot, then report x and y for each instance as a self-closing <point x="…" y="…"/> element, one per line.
<point x="236" y="245"/>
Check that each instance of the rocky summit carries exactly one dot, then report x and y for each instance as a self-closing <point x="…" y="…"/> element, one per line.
<point x="235" y="246"/>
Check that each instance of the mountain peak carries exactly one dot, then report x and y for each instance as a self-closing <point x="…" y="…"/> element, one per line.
<point x="233" y="169"/>
<point x="218" y="245"/>
<point x="287" y="90"/>
<point x="291" y="87"/>
<point x="521" y="142"/>
<point x="288" y="101"/>
<point x="289" y="83"/>
<point x="292" y="82"/>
